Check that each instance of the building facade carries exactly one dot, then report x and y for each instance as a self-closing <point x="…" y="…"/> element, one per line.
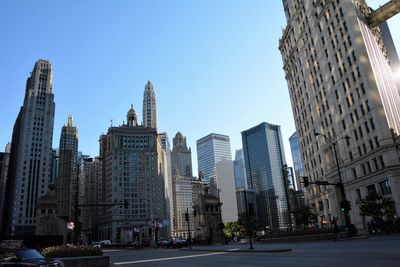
<point x="208" y="223"/>
<point x="239" y="170"/>
<point x="246" y="200"/>
<point x="88" y="196"/>
<point x="4" y="163"/>
<point x="133" y="173"/>
<point x="168" y="224"/>
<point x="68" y="183"/>
<point x="215" y="165"/>
<point x="265" y="163"/>
<point x="297" y="161"/>
<point x="55" y="165"/>
<point x="181" y="156"/>
<point x="30" y="157"/>
<point x="341" y="85"/>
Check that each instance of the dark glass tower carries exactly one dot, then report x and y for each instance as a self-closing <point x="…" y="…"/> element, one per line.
<point x="264" y="160"/>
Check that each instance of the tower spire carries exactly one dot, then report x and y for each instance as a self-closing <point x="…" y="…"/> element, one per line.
<point x="149" y="107"/>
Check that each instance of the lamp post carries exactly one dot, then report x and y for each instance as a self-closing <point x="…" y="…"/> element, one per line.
<point x="344" y="203"/>
<point x="188" y="227"/>
<point x="248" y="214"/>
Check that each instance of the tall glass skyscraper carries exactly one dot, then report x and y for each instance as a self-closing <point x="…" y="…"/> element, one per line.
<point x="215" y="163"/>
<point x="264" y="160"/>
<point x="239" y="170"/>
<point x="296" y="157"/>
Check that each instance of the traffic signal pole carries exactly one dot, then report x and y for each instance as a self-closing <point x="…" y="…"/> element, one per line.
<point x="344" y="203"/>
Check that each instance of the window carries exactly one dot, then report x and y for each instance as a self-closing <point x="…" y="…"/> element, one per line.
<point x="358" y="194"/>
<point x="385" y="187"/>
<point x="354" y="173"/>
<point x="371" y="189"/>
<point x="382" y="161"/>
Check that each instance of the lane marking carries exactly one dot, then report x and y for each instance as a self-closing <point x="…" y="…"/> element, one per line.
<point x="168" y="259"/>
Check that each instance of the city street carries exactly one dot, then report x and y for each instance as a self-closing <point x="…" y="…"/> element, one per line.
<point x="374" y="251"/>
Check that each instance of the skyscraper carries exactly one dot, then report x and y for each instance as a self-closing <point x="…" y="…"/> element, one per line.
<point x="88" y="195"/>
<point x="30" y="158"/>
<point x="341" y="85"/>
<point x="181" y="157"/>
<point x="185" y="186"/>
<point x="168" y="184"/>
<point x="215" y="164"/>
<point x="67" y="183"/>
<point x="149" y="107"/>
<point x="297" y="162"/>
<point x="265" y="162"/>
<point x="239" y="170"/>
<point x="4" y="162"/>
<point x="133" y="162"/>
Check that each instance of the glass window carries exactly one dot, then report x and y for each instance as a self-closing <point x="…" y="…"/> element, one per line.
<point x="385" y="187"/>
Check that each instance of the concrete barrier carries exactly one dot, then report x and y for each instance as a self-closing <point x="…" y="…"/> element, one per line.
<point x="89" y="261"/>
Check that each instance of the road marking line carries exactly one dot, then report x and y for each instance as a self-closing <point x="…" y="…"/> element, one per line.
<point x="170" y="258"/>
<point x="111" y="250"/>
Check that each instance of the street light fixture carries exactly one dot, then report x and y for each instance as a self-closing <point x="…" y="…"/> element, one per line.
<point x="344" y="203"/>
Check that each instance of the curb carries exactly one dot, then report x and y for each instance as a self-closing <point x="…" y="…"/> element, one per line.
<point x="353" y="238"/>
<point x="241" y="250"/>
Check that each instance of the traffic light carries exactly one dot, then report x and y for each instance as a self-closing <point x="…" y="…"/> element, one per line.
<point x="126" y="204"/>
<point x="306" y="182"/>
<point x="345" y="206"/>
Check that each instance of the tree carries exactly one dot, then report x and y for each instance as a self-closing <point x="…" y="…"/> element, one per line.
<point x="377" y="206"/>
<point x="248" y="222"/>
<point x="304" y="217"/>
<point x="231" y="229"/>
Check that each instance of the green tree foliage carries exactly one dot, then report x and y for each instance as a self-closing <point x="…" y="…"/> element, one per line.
<point x="248" y="222"/>
<point x="377" y="206"/>
<point x="231" y="229"/>
<point x="304" y="217"/>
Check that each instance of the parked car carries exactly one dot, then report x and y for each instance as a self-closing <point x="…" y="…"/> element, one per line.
<point x="164" y="243"/>
<point x="105" y="242"/>
<point x="27" y="257"/>
<point x="96" y="244"/>
<point x="178" y="243"/>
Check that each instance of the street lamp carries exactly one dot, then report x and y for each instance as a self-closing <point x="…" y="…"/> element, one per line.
<point x="188" y="227"/>
<point x="344" y="205"/>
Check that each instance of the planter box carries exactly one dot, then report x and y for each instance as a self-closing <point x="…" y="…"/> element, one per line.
<point x="88" y="261"/>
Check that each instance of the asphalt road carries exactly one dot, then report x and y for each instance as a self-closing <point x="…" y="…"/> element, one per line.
<point x="374" y="251"/>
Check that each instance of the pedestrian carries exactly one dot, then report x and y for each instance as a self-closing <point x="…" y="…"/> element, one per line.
<point x="335" y="228"/>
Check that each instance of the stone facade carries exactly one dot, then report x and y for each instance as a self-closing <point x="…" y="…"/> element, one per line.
<point x="341" y="84"/>
<point x="30" y="157"/>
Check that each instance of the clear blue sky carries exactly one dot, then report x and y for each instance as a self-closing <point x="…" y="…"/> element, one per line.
<point x="215" y="64"/>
